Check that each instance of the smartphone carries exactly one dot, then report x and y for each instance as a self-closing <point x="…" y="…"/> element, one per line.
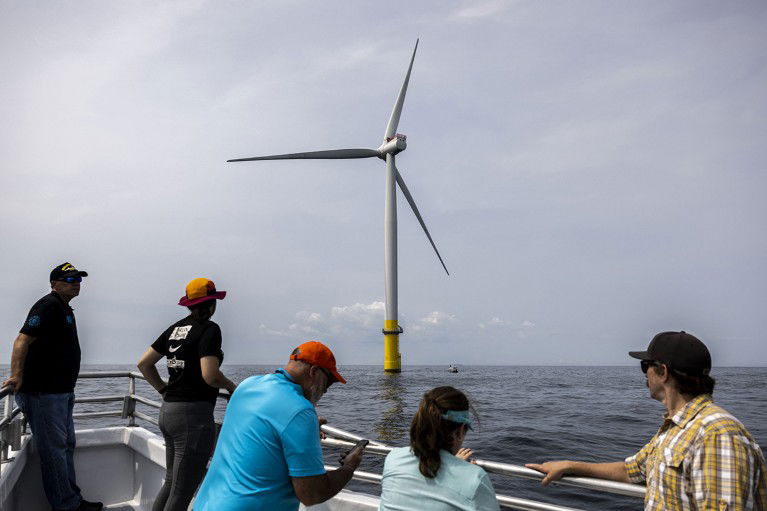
<point x="359" y="445"/>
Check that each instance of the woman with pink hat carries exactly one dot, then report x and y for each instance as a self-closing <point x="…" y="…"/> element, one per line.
<point x="192" y="347"/>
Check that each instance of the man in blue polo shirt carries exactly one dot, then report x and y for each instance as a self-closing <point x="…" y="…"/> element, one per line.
<point x="268" y="454"/>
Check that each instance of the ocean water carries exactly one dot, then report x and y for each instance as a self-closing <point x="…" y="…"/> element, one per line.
<point x="527" y="414"/>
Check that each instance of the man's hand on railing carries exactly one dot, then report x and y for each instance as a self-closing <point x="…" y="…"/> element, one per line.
<point x="322" y="421"/>
<point x="554" y="470"/>
<point x="13" y="383"/>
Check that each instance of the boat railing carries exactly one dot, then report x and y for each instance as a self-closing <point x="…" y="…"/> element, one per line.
<point x="12" y="425"/>
<point x="13" y="428"/>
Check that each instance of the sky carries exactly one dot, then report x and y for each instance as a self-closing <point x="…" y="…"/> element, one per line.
<point x="592" y="173"/>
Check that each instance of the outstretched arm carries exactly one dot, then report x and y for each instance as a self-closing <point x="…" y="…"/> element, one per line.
<point x="18" y="357"/>
<point x="555" y="470"/>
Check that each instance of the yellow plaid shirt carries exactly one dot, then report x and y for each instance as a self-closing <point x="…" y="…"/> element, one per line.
<point x="700" y="459"/>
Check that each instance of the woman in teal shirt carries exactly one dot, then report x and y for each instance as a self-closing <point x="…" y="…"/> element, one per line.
<point x="433" y="473"/>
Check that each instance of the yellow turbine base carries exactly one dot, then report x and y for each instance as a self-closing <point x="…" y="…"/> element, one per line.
<point x="392" y="358"/>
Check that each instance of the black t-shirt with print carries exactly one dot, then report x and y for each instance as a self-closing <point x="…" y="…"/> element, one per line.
<point x="53" y="359"/>
<point x="184" y="343"/>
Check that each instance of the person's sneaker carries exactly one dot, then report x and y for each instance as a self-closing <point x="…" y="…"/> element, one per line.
<point x="86" y="505"/>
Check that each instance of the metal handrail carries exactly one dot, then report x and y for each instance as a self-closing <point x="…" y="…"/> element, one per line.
<point x="630" y="490"/>
<point x="335" y="437"/>
<point x="10" y="412"/>
<point x="7" y="419"/>
<point x="512" y="502"/>
<point x="590" y="483"/>
<point x="111" y="374"/>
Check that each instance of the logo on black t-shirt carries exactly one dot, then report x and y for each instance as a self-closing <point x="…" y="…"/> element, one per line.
<point x="174" y="363"/>
<point x="178" y="334"/>
<point x="33" y="321"/>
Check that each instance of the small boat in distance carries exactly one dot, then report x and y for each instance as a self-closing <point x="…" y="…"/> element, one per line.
<point x="452" y="369"/>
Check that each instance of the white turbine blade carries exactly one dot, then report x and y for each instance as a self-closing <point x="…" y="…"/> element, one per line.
<point x="335" y="154"/>
<point x="410" y="200"/>
<point x="391" y="128"/>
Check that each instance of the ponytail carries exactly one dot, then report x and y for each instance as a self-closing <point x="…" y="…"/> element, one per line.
<point x="430" y="432"/>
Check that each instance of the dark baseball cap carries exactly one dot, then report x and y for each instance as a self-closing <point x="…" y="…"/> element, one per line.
<point x="680" y="351"/>
<point x="65" y="270"/>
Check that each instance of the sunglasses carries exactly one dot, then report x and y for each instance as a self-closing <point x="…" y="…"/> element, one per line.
<point x="645" y="365"/>
<point x="327" y="374"/>
<point x="71" y="279"/>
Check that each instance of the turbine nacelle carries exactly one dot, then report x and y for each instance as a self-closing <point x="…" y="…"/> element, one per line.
<point x="392" y="145"/>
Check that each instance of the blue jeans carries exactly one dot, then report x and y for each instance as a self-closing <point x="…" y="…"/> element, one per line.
<point x="53" y="431"/>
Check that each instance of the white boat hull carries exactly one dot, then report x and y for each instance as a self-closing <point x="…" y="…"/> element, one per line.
<point x="120" y="466"/>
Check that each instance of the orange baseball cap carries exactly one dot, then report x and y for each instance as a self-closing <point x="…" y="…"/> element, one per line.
<point x="317" y="354"/>
<point x="200" y="290"/>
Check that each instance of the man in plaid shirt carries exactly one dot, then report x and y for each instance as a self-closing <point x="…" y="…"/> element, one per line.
<point x="701" y="458"/>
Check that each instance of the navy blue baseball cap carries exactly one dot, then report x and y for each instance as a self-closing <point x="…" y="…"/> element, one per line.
<point x="65" y="270"/>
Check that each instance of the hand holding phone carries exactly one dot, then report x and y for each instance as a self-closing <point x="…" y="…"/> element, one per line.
<point x="355" y="453"/>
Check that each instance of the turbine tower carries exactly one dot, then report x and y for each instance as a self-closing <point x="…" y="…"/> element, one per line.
<point x="393" y="143"/>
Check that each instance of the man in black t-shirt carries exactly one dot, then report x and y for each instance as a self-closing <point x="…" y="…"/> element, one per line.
<point x="44" y="365"/>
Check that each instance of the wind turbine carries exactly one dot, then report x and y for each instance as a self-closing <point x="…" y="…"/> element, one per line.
<point x="392" y="144"/>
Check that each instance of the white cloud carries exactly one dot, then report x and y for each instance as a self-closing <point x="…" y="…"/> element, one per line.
<point x="265" y="331"/>
<point x="311" y="317"/>
<point x="497" y="326"/>
<point x="359" y="314"/>
<point x="482" y="10"/>
<point x="360" y="321"/>
<point x="432" y="323"/>
<point x="437" y="318"/>
<point x="303" y="328"/>
<point x="493" y="322"/>
<point x="344" y="322"/>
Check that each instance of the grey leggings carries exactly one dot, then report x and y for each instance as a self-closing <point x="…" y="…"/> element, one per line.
<point x="189" y="434"/>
